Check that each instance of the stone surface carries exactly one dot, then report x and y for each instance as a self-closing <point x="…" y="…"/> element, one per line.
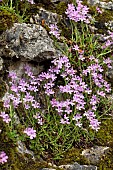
<point x="109" y="25"/>
<point x="105" y="5"/>
<point x="29" y="41"/>
<point x="109" y="74"/>
<point x="94" y="154"/>
<point x="1" y="63"/>
<point x="48" y="169"/>
<point x="93" y="2"/>
<point x="56" y="1"/>
<point x="76" y="166"/>
<point x="48" y="17"/>
<point x="21" y="148"/>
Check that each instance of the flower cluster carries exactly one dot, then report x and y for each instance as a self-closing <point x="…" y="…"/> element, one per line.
<point x="19" y="86"/>
<point x="75" y="89"/>
<point x="69" y="101"/>
<point x="22" y="92"/>
<point x="80" y="13"/>
<point x="3" y="157"/>
<point x="95" y="70"/>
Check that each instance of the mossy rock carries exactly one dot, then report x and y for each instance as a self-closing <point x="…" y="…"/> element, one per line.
<point x="106" y="162"/>
<point x="7" y="19"/>
<point x="73" y="155"/>
<point x="17" y="161"/>
<point x="105" y="138"/>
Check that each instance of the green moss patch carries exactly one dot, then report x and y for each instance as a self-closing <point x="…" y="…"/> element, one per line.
<point x="105" y="134"/>
<point x="61" y="8"/>
<point x="7" y="19"/>
<point x="3" y="88"/>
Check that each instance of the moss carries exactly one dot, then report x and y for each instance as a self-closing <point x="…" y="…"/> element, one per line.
<point x="30" y="10"/>
<point x="107" y="15"/>
<point x="106" y="162"/>
<point x="105" y="134"/>
<point x="7" y="19"/>
<point x="18" y="161"/>
<point x="45" y="2"/>
<point x="48" y="5"/>
<point x="1" y="105"/>
<point x="61" y="8"/>
<point x="73" y="155"/>
<point x="21" y="162"/>
<point x="3" y="88"/>
<point x="105" y="138"/>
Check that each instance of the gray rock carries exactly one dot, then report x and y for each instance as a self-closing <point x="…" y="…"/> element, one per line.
<point x="109" y="25"/>
<point x="109" y="74"/>
<point x="94" y="154"/>
<point x="76" y="166"/>
<point x="104" y="5"/>
<point x="1" y="63"/>
<point x="29" y="41"/>
<point x="48" y="17"/>
<point x="21" y="148"/>
<point x="54" y="1"/>
<point x="48" y="169"/>
<point x="93" y="2"/>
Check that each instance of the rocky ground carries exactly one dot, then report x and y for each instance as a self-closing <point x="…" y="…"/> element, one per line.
<point x="31" y="43"/>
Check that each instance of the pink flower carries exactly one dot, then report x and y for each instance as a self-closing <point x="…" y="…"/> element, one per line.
<point x="54" y="30"/>
<point x="31" y="1"/>
<point x="98" y="10"/>
<point x="95" y="124"/>
<point x="81" y="57"/>
<point x="12" y="74"/>
<point x="76" y="47"/>
<point x="30" y="132"/>
<point x="79" y="124"/>
<point x="39" y="118"/>
<point x="108" y="61"/>
<point x="101" y="93"/>
<point x="3" y="157"/>
<point x="5" y="117"/>
<point x="77" y="117"/>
